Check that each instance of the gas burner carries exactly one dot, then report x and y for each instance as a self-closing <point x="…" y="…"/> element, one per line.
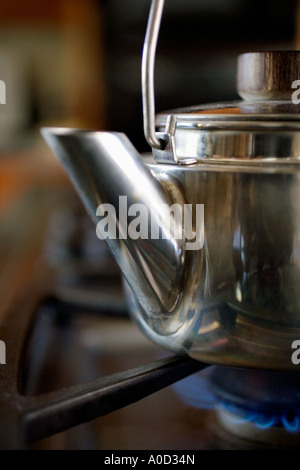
<point x="264" y="398"/>
<point x="251" y="409"/>
<point x="259" y="409"/>
<point x="233" y="431"/>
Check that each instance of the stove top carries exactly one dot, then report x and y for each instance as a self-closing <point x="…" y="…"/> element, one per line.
<point x="80" y="375"/>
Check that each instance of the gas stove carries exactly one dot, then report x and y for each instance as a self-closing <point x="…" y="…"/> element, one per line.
<point x="79" y="374"/>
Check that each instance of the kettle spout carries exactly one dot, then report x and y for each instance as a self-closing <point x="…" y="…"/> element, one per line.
<point x="108" y="173"/>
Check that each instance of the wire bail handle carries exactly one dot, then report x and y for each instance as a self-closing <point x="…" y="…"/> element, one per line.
<point x="162" y="143"/>
<point x="148" y="62"/>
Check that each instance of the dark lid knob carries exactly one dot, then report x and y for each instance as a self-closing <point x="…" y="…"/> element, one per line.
<point x="268" y="75"/>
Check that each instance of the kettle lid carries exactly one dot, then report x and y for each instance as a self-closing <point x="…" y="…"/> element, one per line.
<point x="267" y="82"/>
<point x="264" y="126"/>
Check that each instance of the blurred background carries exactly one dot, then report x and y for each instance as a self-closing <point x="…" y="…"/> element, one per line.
<point x="77" y="63"/>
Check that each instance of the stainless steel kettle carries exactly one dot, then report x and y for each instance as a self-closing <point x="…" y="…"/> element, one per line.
<point x="235" y="298"/>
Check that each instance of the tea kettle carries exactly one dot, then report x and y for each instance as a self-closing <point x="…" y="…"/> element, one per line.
<point x="230" y="295"/>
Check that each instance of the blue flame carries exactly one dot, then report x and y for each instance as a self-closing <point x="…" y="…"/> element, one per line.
<point x="196" y="391"/>
<point x="292" y="425"/>
<point x="265" y="420"/>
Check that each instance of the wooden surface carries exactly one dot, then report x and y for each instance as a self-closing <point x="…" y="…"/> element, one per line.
<point x="29" y="187"/>
<point x="84" y="89"/>
<point x="62" y="46"/>
<point x="33" y="11"/>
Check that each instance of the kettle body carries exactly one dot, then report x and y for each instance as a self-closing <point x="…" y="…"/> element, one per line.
<point x="239" y="301"/>
<point x="223" y="289"/>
